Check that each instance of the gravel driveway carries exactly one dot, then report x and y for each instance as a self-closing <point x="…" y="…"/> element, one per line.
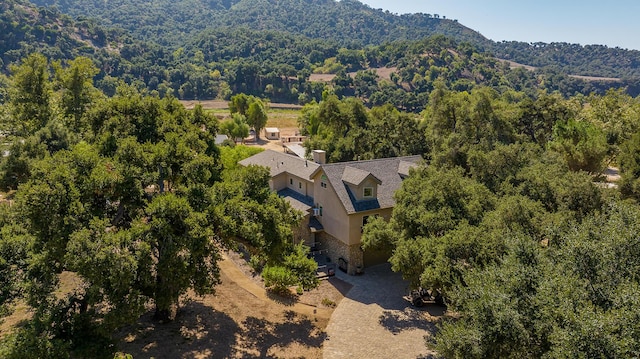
<point x="374" y="321"/>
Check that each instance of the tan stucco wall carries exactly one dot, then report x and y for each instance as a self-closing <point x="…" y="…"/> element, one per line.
<point x="278" y="182"/>
<point x="271" y="135"/>
<point x="355" y="223"/>
<point x="334" y="217"/>
<point x="282" y="181"/>
<point x="300" y="185"/>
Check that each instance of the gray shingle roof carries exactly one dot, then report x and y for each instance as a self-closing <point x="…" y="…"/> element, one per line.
<point x="221" y="138"/>
<point x="298" y="201"/>
<point x="404" y="166"/>
<point x="356" y="176"/>
<point x="386" y="170"/>
<point x="279" y="162"/>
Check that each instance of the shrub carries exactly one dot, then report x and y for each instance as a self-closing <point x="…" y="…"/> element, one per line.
<point x="278" y="278"/>
<point x="328" y="303"/>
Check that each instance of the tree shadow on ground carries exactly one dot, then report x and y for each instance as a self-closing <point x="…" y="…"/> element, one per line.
<point x="398" y="321"/>
<point x="342" y="286"/>
<point x="379" y="285"/>
<point x="284" y="298"/>
<point x="198" y="330"/>
<point x="261" y="335"/>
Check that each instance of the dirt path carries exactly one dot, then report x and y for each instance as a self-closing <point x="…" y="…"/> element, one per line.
<point x="222" y="104"/>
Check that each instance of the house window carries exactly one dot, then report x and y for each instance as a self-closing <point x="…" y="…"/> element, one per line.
<point x="367" y="192"/>
<point x="323" y="185"/>
<point x="365" y="220"/>
<point x="300" y="185"/>
<point x="291" y="181"/>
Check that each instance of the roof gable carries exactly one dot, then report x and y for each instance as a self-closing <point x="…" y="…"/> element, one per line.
<point x="355" y="176"/>
<point x="385" y="171"/>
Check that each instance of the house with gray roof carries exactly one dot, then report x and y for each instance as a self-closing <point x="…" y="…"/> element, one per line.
<point x="337" y="199"/>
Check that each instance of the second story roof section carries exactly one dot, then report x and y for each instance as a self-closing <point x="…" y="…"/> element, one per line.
<point x="279" y="162"/>
<point x="368" y="185"/>
<point x="355" y="176"/>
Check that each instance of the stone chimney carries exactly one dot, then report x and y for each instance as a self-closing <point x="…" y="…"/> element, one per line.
<point x="319" y="156"/>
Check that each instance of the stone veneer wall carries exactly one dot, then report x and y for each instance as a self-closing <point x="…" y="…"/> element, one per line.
<point x="337" y="249"/>
<point x="302" y="233"/>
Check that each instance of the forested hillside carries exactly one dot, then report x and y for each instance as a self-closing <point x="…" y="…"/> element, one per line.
<point x="25" y="29"/>
<point x="590" y="60"/>
<point x="347" y="22"/>
<point x="206" y="50"/>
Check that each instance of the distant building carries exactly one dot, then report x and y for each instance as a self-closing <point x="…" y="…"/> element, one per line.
<point x="337" y="199"/>
<point x="220" y="139"/>
<point x="272" y="133"/>
<point x="295" y="149"/>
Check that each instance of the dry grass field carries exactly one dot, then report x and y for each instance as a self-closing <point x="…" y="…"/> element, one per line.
<point x="383" y="72"/>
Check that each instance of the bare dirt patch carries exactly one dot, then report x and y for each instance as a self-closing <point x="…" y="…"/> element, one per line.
<point x="596" y="78"/>
<point x="383" y="72"/>
<point x="240" y="321"/>
<point x="19" y="316"/>
<point x="222" y="104"/>
<point x="515" y="65"/>
<point x="321" y="77"/>
<point x="21" y="312"/>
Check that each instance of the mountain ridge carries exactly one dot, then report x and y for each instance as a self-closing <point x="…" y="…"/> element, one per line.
<point x="346" y="21"/>
<point x="269" y="48"/>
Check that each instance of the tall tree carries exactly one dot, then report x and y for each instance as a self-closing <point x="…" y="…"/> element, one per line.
<point x="236" y="128"/>
<point x="573" y="298"/>
<point x="629" y="160"/>
<point x="78" y="91"/>
<point x="257" y="116"/>
<point x="30" y="95"/>
<point x="184" y="255"/>
<point x="582" y="144"/>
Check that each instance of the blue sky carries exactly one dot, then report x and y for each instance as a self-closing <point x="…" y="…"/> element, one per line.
<point x="615" y="23"/>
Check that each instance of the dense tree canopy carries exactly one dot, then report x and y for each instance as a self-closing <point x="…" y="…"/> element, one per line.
<point x="127" y="194"/>
<point x="114" y="182"/>
<point x="205" y="50"/>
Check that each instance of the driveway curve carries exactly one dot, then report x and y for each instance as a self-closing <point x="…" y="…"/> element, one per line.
<point x="374" y="321"/>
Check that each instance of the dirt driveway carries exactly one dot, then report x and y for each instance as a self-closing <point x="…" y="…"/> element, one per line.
<point x="374" y="321"/>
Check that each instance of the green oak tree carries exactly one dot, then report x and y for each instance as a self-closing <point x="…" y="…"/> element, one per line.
<point x="183" y="254"/>
<point x="30" y="95"/>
